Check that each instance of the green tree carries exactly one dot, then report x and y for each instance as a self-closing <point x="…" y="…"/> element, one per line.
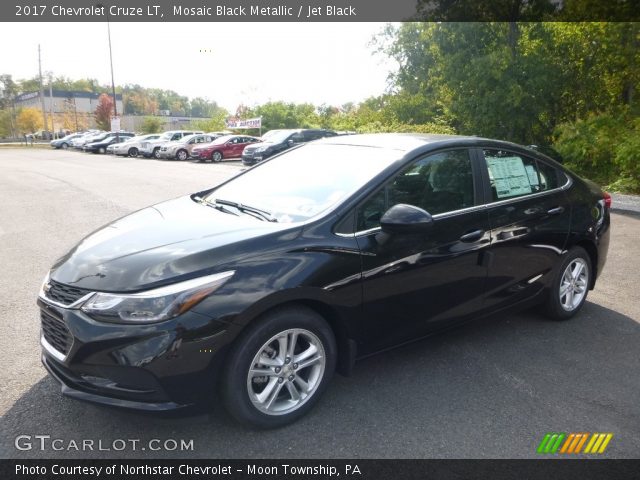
<point x="29" y="120"/>
<point x="152" y="125"/>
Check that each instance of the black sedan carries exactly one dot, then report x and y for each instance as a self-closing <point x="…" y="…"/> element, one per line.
<point x="277" y="141"/>
<point x="100" y="146"/>
<point x="261" y="287"/>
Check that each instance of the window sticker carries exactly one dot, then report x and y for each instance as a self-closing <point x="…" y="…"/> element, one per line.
<point x="510" y="176"/>
<point x="533" y="175"/>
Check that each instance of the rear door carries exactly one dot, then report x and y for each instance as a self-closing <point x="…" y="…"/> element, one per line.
<point x="529" y="216"/>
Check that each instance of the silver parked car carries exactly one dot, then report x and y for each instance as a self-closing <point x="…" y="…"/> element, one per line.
<point x="131" y="147"/>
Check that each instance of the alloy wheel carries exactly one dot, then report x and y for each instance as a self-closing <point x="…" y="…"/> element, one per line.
<point x="574" y="284"/>
<point x="286" y="371"/>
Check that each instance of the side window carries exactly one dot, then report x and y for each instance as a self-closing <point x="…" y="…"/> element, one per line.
<point x="176" y="136"/>
<point x="297" y="137"/>
<point x="548" y="176"/>
<point x="313" y="135"/>
<point x="513" y="175"/>
<point x="438" y="183"/>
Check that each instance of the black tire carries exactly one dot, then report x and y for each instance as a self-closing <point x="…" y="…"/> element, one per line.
<point x="216" y="156"/>
<point x="182" y="155"/>
<point x="133" y="152"/>
<point x="102" y="150"/>
<point x="235" y="383"/>
<point x="559" y="306"/>
<point x="64" y="146"/>
<point x="156" y="153"/>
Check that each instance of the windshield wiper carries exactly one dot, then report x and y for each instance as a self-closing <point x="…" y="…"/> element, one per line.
<point x="213" y="205"/>
<point x="253" y="211"/>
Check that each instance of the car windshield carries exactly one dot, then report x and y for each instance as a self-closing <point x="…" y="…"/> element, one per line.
<point x="221" y="140"/>
<point x="306" y="181"/>
<point x="269" y="134"/>
<point x="278" y="137"/>
<point x="187" y="138"/>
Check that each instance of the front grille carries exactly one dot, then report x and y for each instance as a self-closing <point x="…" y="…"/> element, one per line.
<point x="64" y="294"/>
<point x="56" y="333"/>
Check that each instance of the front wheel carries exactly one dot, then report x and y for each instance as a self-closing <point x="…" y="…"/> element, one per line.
<point x="64" y="146"/>
<point x="156" y="153"/>
<point x="279" y="368"/>
<point x="133" y="152"/>
<point x="102" y="150"/>
<point x="570" y="286"/>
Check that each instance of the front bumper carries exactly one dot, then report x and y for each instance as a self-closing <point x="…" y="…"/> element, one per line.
<point x="163" y="366"/>
<point x="251" y="159"/>
<point x="167" y="154"/>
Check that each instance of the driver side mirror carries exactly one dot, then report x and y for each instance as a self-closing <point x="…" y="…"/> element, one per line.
<point x="407" y="219"/>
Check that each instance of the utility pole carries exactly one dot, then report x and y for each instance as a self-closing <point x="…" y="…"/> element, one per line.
<point x="113" y="83"/>
<point x="51" y="104"/>
<point x="44" y="111"/>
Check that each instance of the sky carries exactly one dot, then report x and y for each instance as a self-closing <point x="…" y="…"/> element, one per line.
<point x="230" y="63"/>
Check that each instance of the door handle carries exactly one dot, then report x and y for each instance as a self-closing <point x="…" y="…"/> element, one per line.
<point x="555" y="211"/>
<point x="472" y="236"/>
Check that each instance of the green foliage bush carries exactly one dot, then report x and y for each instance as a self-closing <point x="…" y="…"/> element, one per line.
<point x="393" y="127"/>
<point x="604" y="148"/>
<point x="152" y="125"/>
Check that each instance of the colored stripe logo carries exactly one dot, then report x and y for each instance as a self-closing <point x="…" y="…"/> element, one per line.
<point x="574" y="442"/>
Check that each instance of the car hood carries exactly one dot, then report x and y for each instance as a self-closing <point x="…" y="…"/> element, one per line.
<point x="207" y="146"/>
<point x="175" y="143"/>
<point x="262" y="144"/>
<point x="174" y="240"/>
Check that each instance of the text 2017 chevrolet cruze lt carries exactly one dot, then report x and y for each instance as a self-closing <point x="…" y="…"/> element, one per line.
<point x="263" y="286"/>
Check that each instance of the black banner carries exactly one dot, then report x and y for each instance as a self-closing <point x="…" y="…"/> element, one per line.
<point x="325" y="469"/>
<point x="318" y="10"/>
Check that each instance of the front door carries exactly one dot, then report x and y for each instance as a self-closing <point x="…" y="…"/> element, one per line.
<point x="415" y="283"/>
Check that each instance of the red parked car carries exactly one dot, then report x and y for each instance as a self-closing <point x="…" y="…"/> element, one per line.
<point x="229" y="146"/>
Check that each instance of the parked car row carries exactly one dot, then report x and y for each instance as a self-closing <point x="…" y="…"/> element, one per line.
<point x="198" y="145"/>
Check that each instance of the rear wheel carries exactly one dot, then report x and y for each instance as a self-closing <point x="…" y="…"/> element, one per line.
<point x="182" y="155"/>
<point x="102" y="150"/>
<point x="133" y="152"/>
<point x="279" y="368"/>
<point x="216" y="156"/>
<point x="570" y="286"/>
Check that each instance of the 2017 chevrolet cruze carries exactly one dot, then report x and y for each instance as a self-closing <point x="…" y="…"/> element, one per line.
<point x="261" y="287"/>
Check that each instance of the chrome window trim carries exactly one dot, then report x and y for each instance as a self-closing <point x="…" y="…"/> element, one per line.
<point x="61" y="357"/>
<point x="462" y="211"/>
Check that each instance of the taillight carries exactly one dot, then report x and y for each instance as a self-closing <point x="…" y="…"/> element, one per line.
<point x="607" y="200"/>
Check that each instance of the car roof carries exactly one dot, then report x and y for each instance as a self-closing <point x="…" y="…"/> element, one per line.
<point x="394" y="141"/>
<point x="406" y="142"/>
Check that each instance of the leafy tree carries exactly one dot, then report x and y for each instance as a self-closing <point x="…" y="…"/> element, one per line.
<point x="104" y="111"/>
<point x="29" y="120"/>
<point x="214" y="124"/>
<point x="6" y="123"/>
<point x="152" y="125"/>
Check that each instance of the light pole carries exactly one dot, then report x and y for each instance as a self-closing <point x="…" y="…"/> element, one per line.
<point x="113" y="83"/>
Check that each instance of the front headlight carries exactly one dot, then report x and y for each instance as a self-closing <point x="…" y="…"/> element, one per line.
<point x="154" y="305"/>
<point x="261" y="149"/>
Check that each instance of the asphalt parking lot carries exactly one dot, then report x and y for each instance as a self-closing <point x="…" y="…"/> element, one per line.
<point x="491" y="389"/>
